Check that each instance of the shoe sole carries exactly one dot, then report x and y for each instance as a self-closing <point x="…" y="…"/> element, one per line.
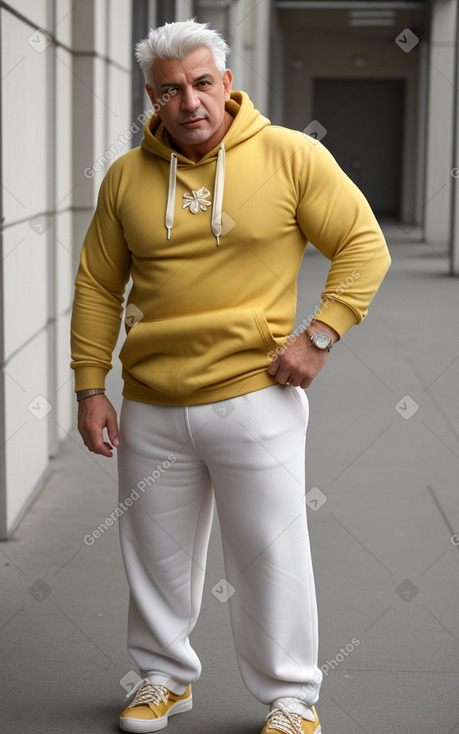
<point x="143" y="726"/>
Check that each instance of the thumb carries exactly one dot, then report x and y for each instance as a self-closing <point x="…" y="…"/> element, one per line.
<point x="112" y="430"/>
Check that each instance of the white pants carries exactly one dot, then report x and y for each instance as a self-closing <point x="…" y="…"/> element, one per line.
<point x="248" y="453"/>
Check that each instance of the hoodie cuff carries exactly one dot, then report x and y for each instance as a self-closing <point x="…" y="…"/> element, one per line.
<point x="337" y="315"/>
<point x="87" y="378"/>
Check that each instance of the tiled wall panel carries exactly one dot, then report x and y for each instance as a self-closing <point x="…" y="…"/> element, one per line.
<point x="65" y="98"/>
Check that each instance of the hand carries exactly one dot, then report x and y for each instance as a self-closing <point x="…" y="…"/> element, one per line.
<point x="299" y="361"/>
<point x="95" y="414"/>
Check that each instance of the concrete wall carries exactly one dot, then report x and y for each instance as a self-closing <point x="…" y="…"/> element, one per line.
<point x="440" y="122"/>
<point x="454" y="238"/>
<point x="65" y="98"/>
<point x="319" y="44"/>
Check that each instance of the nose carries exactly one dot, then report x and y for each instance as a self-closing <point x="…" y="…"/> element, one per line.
<point x="190" y="100"/>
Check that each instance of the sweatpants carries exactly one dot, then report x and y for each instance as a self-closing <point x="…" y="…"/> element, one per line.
<point x="248" y="455"/>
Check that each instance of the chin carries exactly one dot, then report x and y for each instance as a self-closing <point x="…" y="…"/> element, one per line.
<point x="197" y="136"/>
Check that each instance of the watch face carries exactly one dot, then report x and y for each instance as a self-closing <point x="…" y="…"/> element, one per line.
<point x="321" y="339"/>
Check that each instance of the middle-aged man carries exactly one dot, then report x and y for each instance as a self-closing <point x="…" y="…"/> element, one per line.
<point x="210" y="217"/>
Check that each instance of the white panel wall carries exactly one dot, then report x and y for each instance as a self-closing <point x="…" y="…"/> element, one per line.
<point x="120" y="120"/>
<point x="25" y="275"/>
<point x="63" y="132"/>
<point x="28" y="411"/>
<point x="37" y="11"/>
<point x="119" y="31"/>
<point x="102" y="10"/>
<point x="26" y="66"/>
<point x="25" y="116"/>
<point x="65" y="90"/>
<point x="64" y="265"/>
<point x="63" y="22"/>
<point x="64" y="413"/>
<point x="102" y="112"/>
<point x="66" y="262"/>
<point x="440" y="124"/>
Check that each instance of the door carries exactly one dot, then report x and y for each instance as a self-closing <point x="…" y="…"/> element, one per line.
<point x="364" y="123"/>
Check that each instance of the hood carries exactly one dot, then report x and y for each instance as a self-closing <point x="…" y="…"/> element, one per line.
<point x="156" y="141"/>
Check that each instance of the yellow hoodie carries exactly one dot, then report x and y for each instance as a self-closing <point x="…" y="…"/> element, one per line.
<point x="214" y="249"/>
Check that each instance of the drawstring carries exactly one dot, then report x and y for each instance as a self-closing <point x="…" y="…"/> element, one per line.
<point x="219" y="186"/>
<point x="218" y="194"/>
<point x="171" y="195"/>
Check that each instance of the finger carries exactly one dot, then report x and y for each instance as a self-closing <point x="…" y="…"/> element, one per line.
<point x="103" y="449"/>
<point x="113" y="431"/>
<point x="93" y="440"/>
<point x="108" y="449"/>
<point x="282" y="376"/>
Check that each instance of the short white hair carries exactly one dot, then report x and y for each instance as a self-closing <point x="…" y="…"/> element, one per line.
<point x="177" y="40"/>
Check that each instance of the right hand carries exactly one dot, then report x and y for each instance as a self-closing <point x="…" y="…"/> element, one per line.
<point x="95" y="414"/>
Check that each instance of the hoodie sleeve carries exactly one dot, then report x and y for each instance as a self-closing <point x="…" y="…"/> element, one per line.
<point x="99" y="291"/>
<point x="337" y="219"/>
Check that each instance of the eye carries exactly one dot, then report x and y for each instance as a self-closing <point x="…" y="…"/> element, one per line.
<point x="203" y="84"/>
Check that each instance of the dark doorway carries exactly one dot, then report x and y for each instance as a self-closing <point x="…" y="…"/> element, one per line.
<point x="364" y="123"/>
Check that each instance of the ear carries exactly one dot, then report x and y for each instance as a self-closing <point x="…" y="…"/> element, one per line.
<point x="227" y="80"/>
<point x="151" y="93"/>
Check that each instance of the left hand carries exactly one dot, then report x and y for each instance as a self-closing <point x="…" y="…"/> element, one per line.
<point x="299" y="361"/>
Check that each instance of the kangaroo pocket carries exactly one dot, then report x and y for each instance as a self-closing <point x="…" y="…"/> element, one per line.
<point x="181" y="355"/>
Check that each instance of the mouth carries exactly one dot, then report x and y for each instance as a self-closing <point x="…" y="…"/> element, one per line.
<point x="194" y="122"/>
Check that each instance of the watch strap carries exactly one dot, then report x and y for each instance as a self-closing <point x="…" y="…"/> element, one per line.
<point x="82" y="394"/>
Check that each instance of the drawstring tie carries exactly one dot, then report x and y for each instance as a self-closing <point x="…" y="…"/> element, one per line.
<point x="219" y="185"/>
<point x="171" y="195"/>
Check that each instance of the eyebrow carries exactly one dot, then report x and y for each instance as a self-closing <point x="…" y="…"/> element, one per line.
<point x="198" y="79"/>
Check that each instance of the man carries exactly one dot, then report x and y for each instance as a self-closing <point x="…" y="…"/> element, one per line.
<point x="210" y="217"/>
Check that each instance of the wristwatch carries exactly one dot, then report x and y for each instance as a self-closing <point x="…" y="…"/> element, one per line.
<point x="321" y="340"/>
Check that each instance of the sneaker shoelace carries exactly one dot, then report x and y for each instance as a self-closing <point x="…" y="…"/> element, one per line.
<point x="284" y="720"/>
<point x="149" y="693"/>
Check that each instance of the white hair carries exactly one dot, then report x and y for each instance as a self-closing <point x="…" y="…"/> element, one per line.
<point x="175" y="41"/>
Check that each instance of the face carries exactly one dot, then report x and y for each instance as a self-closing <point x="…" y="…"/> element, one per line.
<point x="195" y="116"/>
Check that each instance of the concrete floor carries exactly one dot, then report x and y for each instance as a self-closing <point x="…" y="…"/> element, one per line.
<point x="383" y="457"/>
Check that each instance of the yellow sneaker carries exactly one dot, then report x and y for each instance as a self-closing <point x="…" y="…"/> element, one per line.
<point x="280" y="719"/>
<point x="152" y="706"/>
